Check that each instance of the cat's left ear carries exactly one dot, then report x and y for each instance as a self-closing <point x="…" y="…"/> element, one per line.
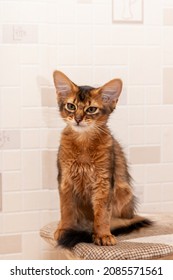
<point x="63" y="84"/>
<point x="111" y="91"/>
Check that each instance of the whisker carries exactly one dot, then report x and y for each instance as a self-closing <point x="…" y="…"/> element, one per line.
<point x="101" y="129"/>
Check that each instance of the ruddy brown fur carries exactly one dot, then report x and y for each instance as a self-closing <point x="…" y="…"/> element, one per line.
<point x="94" y="183"/>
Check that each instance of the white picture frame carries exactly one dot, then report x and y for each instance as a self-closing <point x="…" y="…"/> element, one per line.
<point x="127" y="11"/>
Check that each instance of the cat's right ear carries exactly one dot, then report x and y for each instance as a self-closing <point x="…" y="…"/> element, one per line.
<point x="63" y="84"/>
<point x="111" y="91"/>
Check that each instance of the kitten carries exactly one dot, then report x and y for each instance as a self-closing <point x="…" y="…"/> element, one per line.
<point x="96" y="196"/>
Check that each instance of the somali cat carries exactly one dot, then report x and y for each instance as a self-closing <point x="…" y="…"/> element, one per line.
<point x="96" y="196"/>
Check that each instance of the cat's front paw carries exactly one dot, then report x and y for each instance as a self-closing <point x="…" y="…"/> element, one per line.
<point x="104" y="240"/>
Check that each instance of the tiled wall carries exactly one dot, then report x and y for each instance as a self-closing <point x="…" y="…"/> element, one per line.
<point x="80" y="38"/>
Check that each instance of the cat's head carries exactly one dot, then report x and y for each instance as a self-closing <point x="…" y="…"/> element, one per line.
<point x="85" y="107"/>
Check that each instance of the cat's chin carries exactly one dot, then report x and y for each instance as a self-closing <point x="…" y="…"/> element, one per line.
<point x="80" y="128"/>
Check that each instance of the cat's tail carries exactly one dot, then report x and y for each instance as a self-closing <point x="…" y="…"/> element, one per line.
<point x="71" y="237"/>
<point x="124" y="226"/>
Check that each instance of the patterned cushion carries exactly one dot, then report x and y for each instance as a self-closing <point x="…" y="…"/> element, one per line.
<point x="149" y="243"/>
<point x="122" y="251"/>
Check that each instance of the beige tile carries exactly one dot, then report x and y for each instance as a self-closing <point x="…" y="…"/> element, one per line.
<point x="10" y="12"/>
<point x="48" y="97"/>
<point x="81" y="32"/>
<point x="111" y="55"/>
<point x="99" y="39"/>
<point x="119" y="124"/>
<point x="168" y="3"/>
<point x="30" y="87"/>
<point x="18" y="256"/>
<point x="11" y="107"/>
<point x="132" y="35"/>
<point x="50" y="138"/>
<point x="85" y="1"/>
<point x="167" y="46"/>
<point x="10" y="244"/>
<point x="101" y="75"/>
<point x="136" y="135"/>
<point x="144" y="154"/>
<point x="1" y="223"/>
<point x="136" y="115"/>
<point x="31" y="118"/>
<point x="168" y="16"/>
<point x="52" y="255"/>
<point x="0" y="159"/>
<point x="65" y="15"/>
<point x="22" y="222"/>
<point x="150" y="60"/>
<point x="0" y="192"/>
<point x="51" y="13"/>
<point x="9" y="75"/>
<point x="4" y="138"/>
<point x="65" y="36"/>
<point x="153" y="95"/>
<point x="54" y="214"/>
<point x="46" y="216"/>
<point x="153" y="193"/>
<point x="49" y="169"/>
<point x="167" y="147"/>
<point x="30" y="139"/>
<point x="36" y="200"/>
<point x="47" y="61"/>
<point x="84" y="13"/>
<point x="157" y="115"/>
<point x="12" y="181"/>
<point x="11" y="160"/>
<point x="101" y="13"/>
<point x="10" y="139"/>
<point x="31" y="246"/>
<point x="167" y="207"/>
<point x="29" y="54"/>
<point x="50" y="118"/>
<point x="12" y="202"/>
<point x="47" y="37"/>
<point x="32" y="12"/>
<point x="19" y="33"/>
<point x="136" y="95"/>
<point x="84" y="55"/>
<point x="160" y="173"/>
<point x="54" y="200"/>
<point x="116" y="72"/>
<point x="31" y="170"/>
<point x="152" y="135"/>
<point x="66" y="55"/>
<point x="167" y="85"/>
<point x="153" y="35"/>
<point x="138" y="173"/>
<point x="150" y="207"/>
<point x="139" y="193"/>
<point x="167" y="192"/>
<point x="166" y="117"/>
<point x="153" y="13"/>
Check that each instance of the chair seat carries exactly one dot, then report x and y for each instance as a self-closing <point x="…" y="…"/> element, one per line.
<point x="155" y="242"/>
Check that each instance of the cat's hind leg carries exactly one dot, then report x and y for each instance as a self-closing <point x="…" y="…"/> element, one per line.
<point x="124" y="202"/>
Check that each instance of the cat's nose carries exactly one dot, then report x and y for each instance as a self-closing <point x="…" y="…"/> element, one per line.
<point x="78" y="119"/>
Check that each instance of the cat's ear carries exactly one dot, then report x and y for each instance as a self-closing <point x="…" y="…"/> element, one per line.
<point x="63" y="84"/>
<point x="111" y="91"/>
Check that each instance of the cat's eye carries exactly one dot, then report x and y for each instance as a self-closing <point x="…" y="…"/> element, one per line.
<point x="92" y="110"/>
<point x="70" y="107"/>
